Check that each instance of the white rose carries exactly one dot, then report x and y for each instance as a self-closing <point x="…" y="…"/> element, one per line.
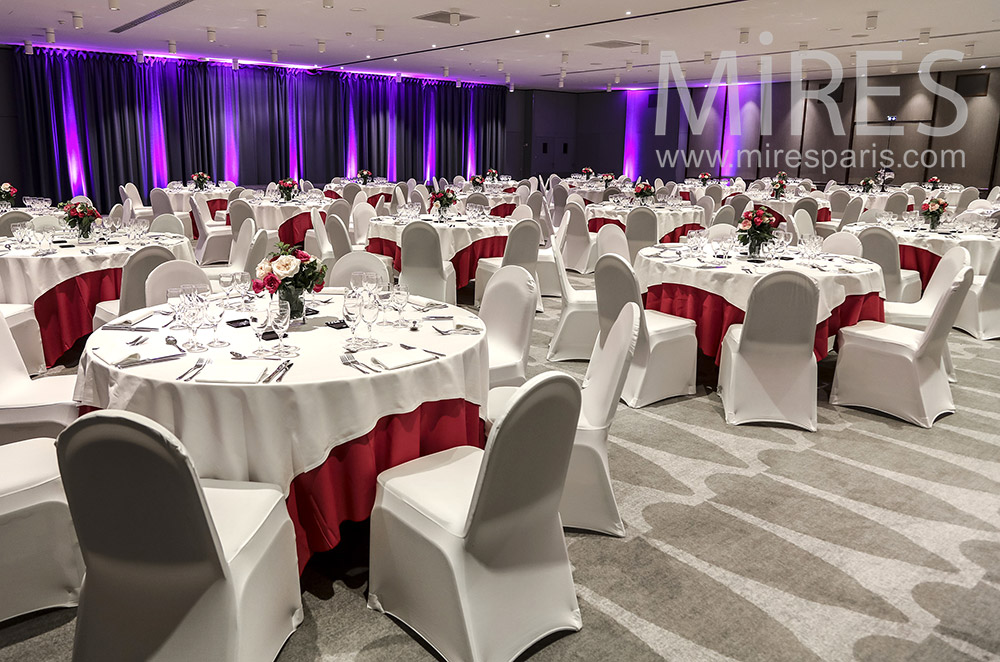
<point x="6" y="186"/>
<point x="263" y="269"/>
<point x="285" y="266"/>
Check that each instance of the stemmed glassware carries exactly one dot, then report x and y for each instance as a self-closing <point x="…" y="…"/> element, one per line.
<point x="227" y="281"/>
<point x="174" y="301"/>
<point x="352" y="314"/>
<point x="242" y="280"/>
<point x="213" y="315"/>
<point x="369" y="313"/>
<point x="400" y="297"/>
<point x="281" y="317"/>
<point x="259" y="321"/>
<point x="385" y="298"/>
<point x="192" y="314"/>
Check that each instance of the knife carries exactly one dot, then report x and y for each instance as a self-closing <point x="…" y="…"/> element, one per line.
<point x="128" y="327"/>
<point x="159" y="359"/>
<point x="267" y="380"/>
<point x="285" y="371"/>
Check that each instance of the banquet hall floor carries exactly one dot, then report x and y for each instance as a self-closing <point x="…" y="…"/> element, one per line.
<point x="870" y="540"/>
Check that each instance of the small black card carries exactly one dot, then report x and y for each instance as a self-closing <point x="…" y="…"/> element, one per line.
<point x="271" y="335"/>
<point x="339" y="324"/>
<point x="238" y="324"/>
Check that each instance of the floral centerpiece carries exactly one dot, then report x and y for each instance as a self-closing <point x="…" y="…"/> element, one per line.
<point x="492" y="175"/>
<point x="289" y="272"/>
<point x="932" y="210"/>
<point x="781" y="176"/>
<point x="364" y="176"/>
<point x="442" y="200"/>
<point x="868" y="184"/>
<point x="477" y="182"/>
<point x="7" y="192"/>
<point x="644" y="191"/>
<point x="287" y="187"/>
<point x="935" y="182"/>
<point x="756" y="229"/>
<point x="704" y="177"/>
<point x="778" y="189"/>
<point x="588" y="172"/>
<point x="608" y="178"/>
<point x="79" y="215"/>
<point x="201" y="180"/>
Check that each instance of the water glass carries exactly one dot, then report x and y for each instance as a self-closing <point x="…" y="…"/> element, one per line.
<point x="352" y="314"/>
<point x="369" y="313"/>
<point x="281" y="317"/>
<point x="213" y="315"/>
<point x="226" y="282"/>
<point x="400" y="297"/>
<point x="259" y="321"/>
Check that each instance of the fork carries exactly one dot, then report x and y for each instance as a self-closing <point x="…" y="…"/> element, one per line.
<point x="198" y="369"/>
<point x="200" y="363"/>
<point x="348" y="359"/>
<point x="137" y="341"/>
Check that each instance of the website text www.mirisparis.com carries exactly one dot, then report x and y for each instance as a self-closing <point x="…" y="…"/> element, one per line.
<point x="824" y="160"/>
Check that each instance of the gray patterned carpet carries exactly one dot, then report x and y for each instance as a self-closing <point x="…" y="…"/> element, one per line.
<point x="870" y="540"/>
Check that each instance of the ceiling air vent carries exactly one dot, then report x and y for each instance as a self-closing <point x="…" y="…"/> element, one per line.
<point x="151" y="15"/>
<point x="442" y="17"/>
<point x="614" y="43"/>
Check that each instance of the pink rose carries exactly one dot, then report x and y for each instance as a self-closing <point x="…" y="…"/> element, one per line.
<point x="302" y="256"/>
<point x="258" y="285"/>
<point x="272" y="283"/>
<point x="318" y="288"/>
<point x="745" y="225"/>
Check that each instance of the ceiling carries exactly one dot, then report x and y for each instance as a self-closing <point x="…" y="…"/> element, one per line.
<point x="528" y="35"/>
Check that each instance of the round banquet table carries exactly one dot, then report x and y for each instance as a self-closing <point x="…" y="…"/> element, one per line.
<point x="463" y="242"/>
<point x="180" y="201"/>
<point x="922" y="249"/>
<point x="672" y="221"/>
<point x="782" y="208"/>
<point x="291" y="220"/>
<point x="680" y="283"/>
<point x="322" y="434"/>
<point x="66" y="286"/>
<point x="877" y="199"/>
<point x="692" y="192"/>
<point x="374" y="192"/>
<point x="501" y="204"/>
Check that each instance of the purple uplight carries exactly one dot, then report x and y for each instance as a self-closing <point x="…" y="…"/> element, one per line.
<point x="470" y="161"/>
<point x="74" y="157"/>
<point x="635" y="101"/>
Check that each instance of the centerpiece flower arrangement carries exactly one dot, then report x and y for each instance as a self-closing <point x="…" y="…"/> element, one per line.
<point x="442" y="200"/>
<point x="778" y="189"/>
<point x="756" y="229"/>
<point x="644" y="191"/>
<point x="477" y="182"/>
<point x="287" y="188"/>
<point x="587" y="172"/>
<point x="80" y="216"/>
<point x="932" y="210"/>
<point x="782" y="176"/>
<point x="364" y="176"/>
<point x="868" y="184"/>
<point x="704" y="177"/>
<point x="7" y="192"/>
<point x="935" y="182"/>
<point x="201" y="180"/>
<point x="289" y="272"/>
<point x="607" y="178"/>
<point x="492" y="175"/>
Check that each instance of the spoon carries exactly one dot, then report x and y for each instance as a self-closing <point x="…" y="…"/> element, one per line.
<point x="170" y="340"/>
<point x="242" y="357"/>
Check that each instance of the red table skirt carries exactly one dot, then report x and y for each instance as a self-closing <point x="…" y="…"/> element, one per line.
<point x="686" y="195"/>
<point x="465" y="261"/>
<point x="510" y="189"/>
<point x="332" y="194"/>
<point x="671" y="237"/>
<point x="342" y="489"/>
<point x="379" y="196"/>
<point x="293" y="231"/>
<point x="713" y="315"/>
<point x="918" y="259"/>
<point x="214" y="206"/>
<point x="66" y="312"/>
<point x="504" y="210"/>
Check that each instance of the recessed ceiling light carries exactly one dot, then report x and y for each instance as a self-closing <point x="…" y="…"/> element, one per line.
<point x="982" y="66"/>
<point x="628" y="13"/>
<point x="547" y="36"/>
<point x="395" y="59"/>
<point x="327" y="4"/>
<point x="211" y="35"/>
<point x="172" y="47"/>
<point x="77" y="20"/>
<point x="321" y="45"/>
<point x="113" y="5"/>
<point x="358" y="9"/>
<point x="871" y="22"/>
<point x="368" y="57"/>
<point x="379" y="34"/>
<point x="28" y="48"/>
<point x="860" y="35"/>
<point x="925" y="37"/>
<point x="261" y="18"/>
<point x="434" y="45"/>
<point x="50" y="35"/>
<point x="517" y="32"/>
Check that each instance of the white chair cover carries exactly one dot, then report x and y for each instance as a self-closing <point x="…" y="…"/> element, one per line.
<point x="508" y="311"/>
<point x="160" y="202"/>
<point x="725" y="216"/>
<point x="897" y="203"/>
<point x="980" y="313"/>
<point x="708" y="204"/>
<point x="422" y="269"/>
<point x="167" y="223"/>
<point x="611" y="240"/>
<point x="968" y="194"/>
<point x="640" y="230"/>
<point x="361" y="216"/>
<point x="719" y="231"/>
<point x="338" y="273"/>
<point x="214" y="241"/>
<point x="739" y="204"/>
<point x="350" y="192"/>
<point x="579" y="245"/>
<point x="172" y="274"/>
<point x="880" y="246"/>
<point x="714" y="191"/>
<point x="521" y="250"/>
<point x="239" y="211"/>
<point x="811" y="206"/>
<point x="843" y="243"/>
<point x="577" y="329"/>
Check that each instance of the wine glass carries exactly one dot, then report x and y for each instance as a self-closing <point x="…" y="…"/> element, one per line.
<point x="352" y="315"/>
<point x="193" y="315"/>
<point x="357" y="280"/>
<point x="259" y="321"/>
<point x="370" y="282"/>
<point x="213" y="314"/>
<point x="384" y="294"/>
<point x="281" y="317"/>
<point x="242" y="280"/>
<point x="400" y="297"/>
<point x="174" y="300"/>
<point x="369" y="313"/>
<point x="226" y="282"/>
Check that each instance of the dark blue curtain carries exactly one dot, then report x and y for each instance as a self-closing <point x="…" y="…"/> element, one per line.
<point x="92" y="121"/>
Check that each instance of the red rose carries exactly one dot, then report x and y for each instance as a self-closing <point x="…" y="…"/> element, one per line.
<point x="258" y="285"/>
<point x="272" y="283"/>
<point x="923" y="207"/>
<point x="273" y="258"/>
<point x="318" y="288"/>
<point x="302" y="256"/>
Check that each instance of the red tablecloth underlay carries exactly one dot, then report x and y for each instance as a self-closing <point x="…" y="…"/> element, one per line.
<point x="293" y="230"/>
<point x="332" y="194"/>
<point x="342" y="489"/>
<point x="918" y="259"/>
<point x="713" y="315"/>
<point x="66" y="312"/>
<point x="214" y="206"/>
<point x="686" y="195"/>
<point x="465" y="261"/>
<point x="504" y="210"/>
<point x="671" y="237"/>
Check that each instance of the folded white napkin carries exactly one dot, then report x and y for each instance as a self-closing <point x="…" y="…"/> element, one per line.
<point x="391" y="359"/>
<point x="244" y="372"/>
<point x="116" y="354"/>
<point x="108" y="250"/>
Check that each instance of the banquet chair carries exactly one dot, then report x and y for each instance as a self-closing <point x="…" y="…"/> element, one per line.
<point x="898" y="370"/>
<point x="458" y="180"/>
<point x="843" y="243"/>
<point x="305" y="185"/>
<point x="178" y="568"/>
<point x="807" y="184"/>
<point x="31" y="407"/>
<point x="829" y="185"/>
<point x="640" y="230"/>
<point x="9" y="218"/>
<point x="76" y="199"/>
<point x="968" y="194"/>
<point x="398" y="200"/>
<point x="418" y="198"/>
<point x="577" y="328"/>
<point x="801" y="226"/>
<point x="578" y="199"/>
<point x="657" y="183"/>
<point x="819" y="195"/>
<point x="214" y="241"/>
<point x="508" y="312"/>
<point x="159" y="202"/>
<point x="707" y="204"/>
<point x="136" y="270"/>
<point x="361" y="216"/>
<point x="235" y="194"/>
<point x="338" y="273"/>
<point x="897" y="203"/>
<point x="40" y="562"/>
<point x="851" y="214"/>
<point x="442" y="183"/>
<point x="125" y="215"/>
<point x="258" y="250"/>
<point x="979" y="204"/>
<point x="521" y="212"/>
<point x="611" y="240"/>
<point x="588" y="500"/>
<point x="116" y="214"/>
<point x="341" y="208"/>
<point x="719" y="231"/>
<point x="739" y="204"/>
<point x="609" y="192"/>
<point x="725" y="216"/>
<point x="476" y="533"/>
<point x="881" y="247"/>
<point x="767" y="372"/>
<point x="521" y="249"/>
<point x="477" y="199"/>
<point x="174" y="273"/>
<point x="20" y="318"/>
<point x="579" y="246"/>
<point x="271" y="189"/>
<point x="994" y="194"/>
<point x="336" y="235"/>
<point x="42" y="222"/>
<point x="239" y="212"/>
<point x="548" y="278"/>
<point x="350" y="192"/>
<point x="380" y="208"/>
<point x="811" y="206"/>
<point x="411" y="184"/>
<point x="917" y="315"/>
<point x="535" y="203"/>
<point x="167" y="223"/>
<point x="664" y="362"/>
<point x="523" y="191"/>
<point x="422" y="269"/>
<point x="317" y="242"/>
<point x="918" y="194"/>
<point x="838" y="203"/>
<point x="238" y="255"/>
<point x="714" y="191"/>
<point x="560" y="195"/>
<point x="980" y="312"/>
<point x="139" y="208"/>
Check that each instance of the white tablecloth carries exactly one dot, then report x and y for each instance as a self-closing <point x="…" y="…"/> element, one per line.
<point x="273" y="432"/>
<point x="180" y="201"/>
<point x="839" y="279"/>
<point x="784" y="206"/>
<point x="668" y="218"/>
<point x="369" y="189"/>
<point x="455" y="235"/>
<point x="270" y="216"/>
<point x="696" y="191"/>
<point x="496" y="199"/>
<point x="982" y="249"/>
<point x="24" y="277"/>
